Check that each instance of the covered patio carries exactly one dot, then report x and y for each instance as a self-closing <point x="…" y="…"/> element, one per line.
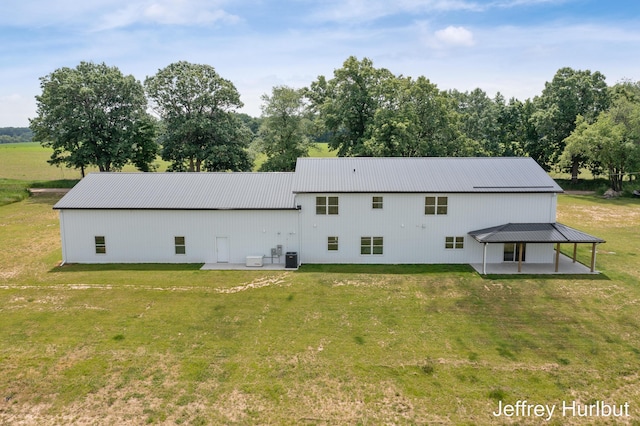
<point x="521" y="234"/>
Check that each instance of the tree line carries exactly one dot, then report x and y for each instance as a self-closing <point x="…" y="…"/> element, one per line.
<point x="15" y="134"/>
<point x="93" y="115"/>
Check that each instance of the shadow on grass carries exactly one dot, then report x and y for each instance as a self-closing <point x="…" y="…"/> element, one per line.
<point x="58" y="183"/>
<point x="582" y="277"/>
<point x="383" y="269"/>
<point x="98" y="267"/>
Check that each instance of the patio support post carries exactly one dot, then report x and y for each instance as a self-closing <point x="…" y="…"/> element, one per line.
<point x="520" y="257"/>
<point x="593" y="257"/>
<point x="557" y="256"/>
<point x="575" y="251"/>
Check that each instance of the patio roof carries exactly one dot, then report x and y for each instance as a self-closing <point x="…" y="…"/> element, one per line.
<point x="523" y="233"/>
<point x="533" y="233"/>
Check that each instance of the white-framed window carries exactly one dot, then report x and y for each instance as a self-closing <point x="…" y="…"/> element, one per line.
<point x="327" y="205"/>
<point x="332" y="243"/>
<point x="454" y="243"/>
<point x="377" y="202"/>
<point x="180" y="245"/>
<point x="371" y="245"/>
<point x="101" y="244"/>
<point x="436" y="205"/>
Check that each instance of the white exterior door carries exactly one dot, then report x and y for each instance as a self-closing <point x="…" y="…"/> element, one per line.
<point x="222" y="249"/>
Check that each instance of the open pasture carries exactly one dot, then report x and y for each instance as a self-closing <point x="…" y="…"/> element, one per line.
<point x="170" y="344"/>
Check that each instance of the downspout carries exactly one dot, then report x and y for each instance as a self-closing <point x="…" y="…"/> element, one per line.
<point x="63" y="238"/>
<point x="299" y="208"/>
<point x="484" y="260"/>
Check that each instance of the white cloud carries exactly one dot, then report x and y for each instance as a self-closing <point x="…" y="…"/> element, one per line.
<point x="166" y="12"/>
<point x="108" y="14"/>
<point x="455" y="36"/>
<point x="368" y="10"/>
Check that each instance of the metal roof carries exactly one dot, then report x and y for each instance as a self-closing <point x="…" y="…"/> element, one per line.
<point x="423" y="174"/>
<point x="183" y="191"/>
<point x="533" y="233"/>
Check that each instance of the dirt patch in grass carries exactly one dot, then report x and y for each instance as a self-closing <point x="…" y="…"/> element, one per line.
<point x="255" y="284"/>
<point x="612" y="216"/>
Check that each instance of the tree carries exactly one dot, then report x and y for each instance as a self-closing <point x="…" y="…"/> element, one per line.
<point x="346" y="104"/>
<point x="93" y="115"/>
<point x="283" y="133"/>
<point x="413" y="119"/>
<point x="569" y="94"/>
<point x="612" y="141"/>
<point x="201" y="129"/>
<point x="478" y="121"/>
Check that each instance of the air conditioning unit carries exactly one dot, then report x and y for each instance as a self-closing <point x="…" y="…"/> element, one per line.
<point x="255" y="261"/>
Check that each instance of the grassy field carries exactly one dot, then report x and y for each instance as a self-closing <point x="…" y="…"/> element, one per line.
<point x="28" y="161"/>
<point x="24" y="165"/>
<point x="167" y="344"/>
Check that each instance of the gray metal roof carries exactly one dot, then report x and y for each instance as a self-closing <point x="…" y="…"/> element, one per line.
<point x="424" y="174"/>
<point x="533" y="233"/>
<point x="184" y="191"/>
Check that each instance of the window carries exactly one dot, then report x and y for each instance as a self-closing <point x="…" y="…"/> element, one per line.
<point x="371" y="245"/>
<point x="376" y="203"/>
<point x="435" y="205"/>
<point x="455" y="243"/>
<point x="181" y="248"/>
<point x="332" y="243"/>
<point x="326" y="205"/>
<point x="101" y="246"/>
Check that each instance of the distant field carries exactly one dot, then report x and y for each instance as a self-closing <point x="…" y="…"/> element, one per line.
<point x="28" y="161"/>
<point x="170" y="344"/>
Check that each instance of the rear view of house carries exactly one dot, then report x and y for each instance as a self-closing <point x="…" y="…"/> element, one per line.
<point x="330" y="210"/>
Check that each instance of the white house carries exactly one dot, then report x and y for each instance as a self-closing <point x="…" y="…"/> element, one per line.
<point x="330" y="210"/>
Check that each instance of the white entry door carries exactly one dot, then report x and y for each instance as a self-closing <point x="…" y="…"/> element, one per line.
<point x="222" y="249"/>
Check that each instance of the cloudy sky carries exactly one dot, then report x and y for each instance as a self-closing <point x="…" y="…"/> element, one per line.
<point x="510" y="46"/>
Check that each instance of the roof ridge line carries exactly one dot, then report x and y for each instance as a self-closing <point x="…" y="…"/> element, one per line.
<point x="499" y="228"/>
<point x="554" y="224"/>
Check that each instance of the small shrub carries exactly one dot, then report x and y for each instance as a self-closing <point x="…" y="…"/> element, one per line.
<point x="427" y="367"/>
<point x="497" y="394"/>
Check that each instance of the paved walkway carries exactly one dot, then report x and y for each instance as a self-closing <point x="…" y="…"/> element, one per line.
<point x="36" y="191"/>
<point x="242" y="267"/>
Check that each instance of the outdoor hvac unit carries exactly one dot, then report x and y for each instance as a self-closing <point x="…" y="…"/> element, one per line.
<point x="254" y="261"/>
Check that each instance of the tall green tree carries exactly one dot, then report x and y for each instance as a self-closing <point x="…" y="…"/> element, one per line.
<point x="283" y="135"/>
<point x="201" y="129"/>
<point x="478" y="121"/>
<point x="569" y="94"/>
<point x="516" y="131"/>
<point x="611" y="142"/>
<point x="413" y="119"/>
<point x="93" y="115"/>
<point x="346" y="104"/>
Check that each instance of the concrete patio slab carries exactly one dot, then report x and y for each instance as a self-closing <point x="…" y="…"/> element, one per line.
<point x="243" y="267"/>
<point x="565" y="267"/>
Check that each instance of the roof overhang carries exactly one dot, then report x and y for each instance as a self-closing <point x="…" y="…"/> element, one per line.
<point x="533" y="233"/>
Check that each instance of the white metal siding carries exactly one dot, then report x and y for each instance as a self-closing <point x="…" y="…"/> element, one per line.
<point x="134" y="236"/>
<point x="409" y="235"/>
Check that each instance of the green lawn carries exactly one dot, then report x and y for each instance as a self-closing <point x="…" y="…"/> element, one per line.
<point x="170" y="344"/>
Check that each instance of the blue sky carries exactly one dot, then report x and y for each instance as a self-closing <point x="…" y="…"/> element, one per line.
<point x="510" y="46"/>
